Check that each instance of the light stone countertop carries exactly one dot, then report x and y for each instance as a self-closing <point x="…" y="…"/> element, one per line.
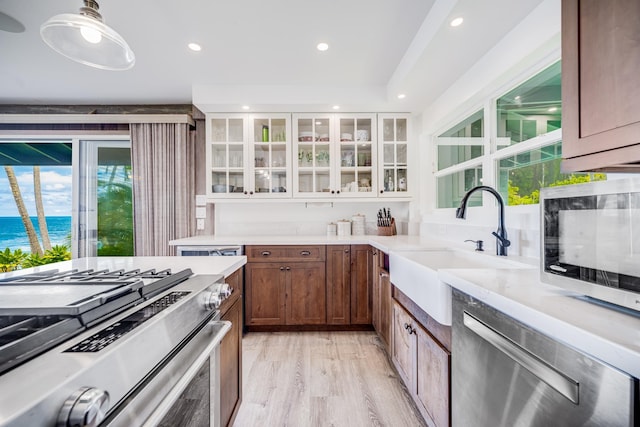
<point x="199" y="265"/>
<point x="609" y="335"/>
<point x="383" y="243"/>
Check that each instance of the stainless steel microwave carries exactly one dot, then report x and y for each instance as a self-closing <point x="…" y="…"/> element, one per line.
<point x="591" y="239"/>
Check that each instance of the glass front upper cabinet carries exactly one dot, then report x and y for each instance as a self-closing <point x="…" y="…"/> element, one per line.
<point x="393" y="131"/>
<point x="270" y="154"/>
<point x="313" y="136"/>
<point x="227" y="155"/>
<point x="356" y="156"/>
<point x="248" y="155"/>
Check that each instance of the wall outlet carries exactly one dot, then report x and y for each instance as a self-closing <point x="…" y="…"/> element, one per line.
<point x="201" y="200"/>
<point x="200" y="224"/>
<point x="201" y="212"/>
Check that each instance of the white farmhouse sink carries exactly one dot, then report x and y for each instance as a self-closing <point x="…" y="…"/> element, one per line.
<point x="415" y="273"/>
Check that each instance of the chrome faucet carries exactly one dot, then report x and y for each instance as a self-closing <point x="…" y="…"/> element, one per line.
<point x="501" y="233"/>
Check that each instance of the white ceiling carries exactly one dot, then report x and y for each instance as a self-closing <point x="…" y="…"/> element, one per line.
<point x="261" y="52"/>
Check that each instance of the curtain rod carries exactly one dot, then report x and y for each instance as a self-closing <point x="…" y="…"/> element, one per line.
<point x="95" y="118"/>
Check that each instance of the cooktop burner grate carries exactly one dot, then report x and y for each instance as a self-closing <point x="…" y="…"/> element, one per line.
<point x="38" y="311"/>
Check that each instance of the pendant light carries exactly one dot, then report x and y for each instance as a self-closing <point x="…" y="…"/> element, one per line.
<point x="86" y="39"/>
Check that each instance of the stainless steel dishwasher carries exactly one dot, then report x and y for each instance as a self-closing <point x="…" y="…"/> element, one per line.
<point x="209" y="250"/>
<point x="507" y="374"/>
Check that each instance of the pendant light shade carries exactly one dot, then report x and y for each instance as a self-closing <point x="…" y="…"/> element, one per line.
<point x="86" y="39"/>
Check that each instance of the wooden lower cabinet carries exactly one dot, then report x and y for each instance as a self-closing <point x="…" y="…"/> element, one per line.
<point x="231" y="352"/>
<point x="381" y="290"/>
<point x="281" y="293"/>
<point x="306" y="294"/>
<point x="349" y="284"/>
<point x="231" y="366"/>
<point x="424" y="366"/>
<point x="361" y="284"/>
<point x="339" y="284"/>
<point x="264" y="294"/>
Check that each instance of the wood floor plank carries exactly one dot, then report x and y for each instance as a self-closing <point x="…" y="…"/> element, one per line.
<point x="321" y="379"/>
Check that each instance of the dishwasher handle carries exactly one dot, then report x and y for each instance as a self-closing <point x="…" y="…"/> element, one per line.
<point x="523" y="357"/>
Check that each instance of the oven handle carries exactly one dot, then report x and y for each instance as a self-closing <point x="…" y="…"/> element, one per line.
<point x="219" y="329"/>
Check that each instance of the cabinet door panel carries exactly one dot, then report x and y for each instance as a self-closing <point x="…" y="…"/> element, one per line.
<point x="306" y="302"/>
<point x="338" y="284"/>
<point x="433" y="368"/>
<point x="231" y="359"/>
<point x="403" y="349"/>
<point x="361" y="284"/>
<point x="385" y="307"/>
<point x="601" y="107"/>
<point x="264" y="294"/>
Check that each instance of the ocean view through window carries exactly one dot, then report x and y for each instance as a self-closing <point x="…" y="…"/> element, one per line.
<point x="52" y="191"/>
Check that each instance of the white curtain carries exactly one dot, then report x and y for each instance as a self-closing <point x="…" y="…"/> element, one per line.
<point x="163" y="161"/>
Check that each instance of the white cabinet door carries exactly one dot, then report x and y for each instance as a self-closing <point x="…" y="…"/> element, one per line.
<point x="227" y="154"/>
<point x="355" y="155"/>
<point x="269" y="155"/>
<point x="248" y="156"/>
<point x="314" y="138"/>
<point x="393" y="166"/>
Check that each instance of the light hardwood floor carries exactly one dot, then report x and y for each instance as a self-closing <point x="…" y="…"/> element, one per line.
<point x="336" y="379"/>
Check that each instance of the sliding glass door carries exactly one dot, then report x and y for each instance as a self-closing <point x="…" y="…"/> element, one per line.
<point x="105" y="200"/>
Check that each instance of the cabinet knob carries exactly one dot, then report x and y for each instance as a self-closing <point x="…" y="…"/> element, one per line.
<point x="266" y="253"/>
<point x="333" y="192"/>
<point x="346" y="251"/>
<point x="381" y="191"/>
<point x="288" y="268"/>
<point x="305" y="253"/>
<point x="250" y="192"/>
<point x="338" y="192"/>
<point x="281" y="268"/>
<point x="246" y="192"/>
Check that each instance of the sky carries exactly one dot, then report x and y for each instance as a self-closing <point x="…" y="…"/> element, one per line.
<point x="56" y="190"/>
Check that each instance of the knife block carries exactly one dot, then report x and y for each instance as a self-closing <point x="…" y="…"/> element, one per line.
<point x="388" y="231"/>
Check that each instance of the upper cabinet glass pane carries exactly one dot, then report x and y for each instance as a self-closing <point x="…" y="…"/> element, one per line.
<point x="236" y="130"/>
<point x="464" y="141"/>
<point x="531" y="109"/>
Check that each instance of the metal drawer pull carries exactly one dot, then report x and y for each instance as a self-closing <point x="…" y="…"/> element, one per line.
<point x="541" y="369"/>
<point x="305" y="253"/>
<point x="266" y="253"/>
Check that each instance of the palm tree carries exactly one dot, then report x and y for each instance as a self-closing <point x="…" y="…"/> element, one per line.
<point x="22" y="209"/>
<point x="42" y="220"/>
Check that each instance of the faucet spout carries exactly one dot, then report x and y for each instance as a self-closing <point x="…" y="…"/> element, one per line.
<point x="500" y="234"/>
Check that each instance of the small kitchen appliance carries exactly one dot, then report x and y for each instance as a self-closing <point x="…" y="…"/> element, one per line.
<point x="108" y="347"/>
<point x="591" y="240"/>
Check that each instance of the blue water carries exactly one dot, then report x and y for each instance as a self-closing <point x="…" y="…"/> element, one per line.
<point x="13" y="235"/>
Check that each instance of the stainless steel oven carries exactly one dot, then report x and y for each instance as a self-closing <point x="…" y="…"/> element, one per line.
<point x="115" y="348"/>
<point x="591" y="239"/>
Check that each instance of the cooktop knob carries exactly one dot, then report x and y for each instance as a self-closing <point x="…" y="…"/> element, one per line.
<point x="212" y="300"/>
<point x="86" y="407"/>
<point x="225" y="291"/>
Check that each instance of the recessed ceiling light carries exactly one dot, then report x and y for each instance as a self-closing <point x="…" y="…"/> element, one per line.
<point x="552" y="109"/>
<point x="195" y="47"/>
<point x="245" y="107"/>
<point x="322" y="47"/>
<point x="401" y="96"/>
<point x="336" y="107"/>
<point x="456" y="22"/>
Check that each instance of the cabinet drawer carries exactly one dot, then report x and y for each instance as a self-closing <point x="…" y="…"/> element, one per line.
<point x="286" y="253"/>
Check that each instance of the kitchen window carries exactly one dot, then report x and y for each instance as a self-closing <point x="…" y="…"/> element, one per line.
<point x="86" y="193"/>
<point x="531" y="109"/>
<point x="519" y="151"/>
